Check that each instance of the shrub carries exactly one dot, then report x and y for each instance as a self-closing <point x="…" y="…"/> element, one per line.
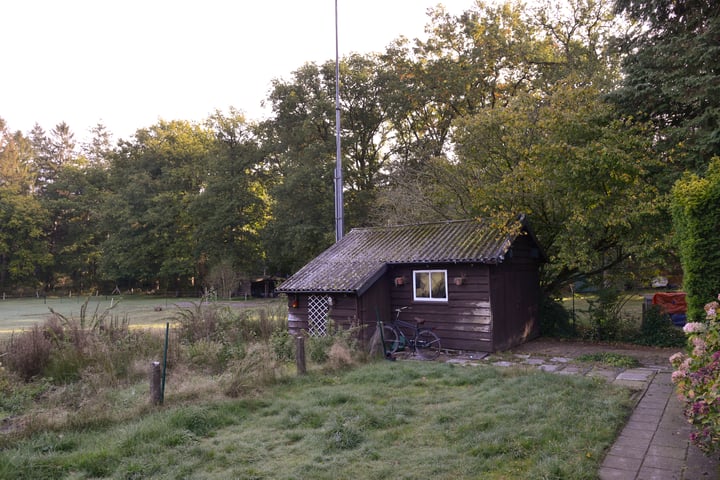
<point x="256" y="369"/>
<point x="554" y="319"/>
<point x="696" y="217"/>
<point x="605" y="312"/>
<point x="657" y="330"/>
<point x="697" y="379"/>
<point x="199" y="322"/>
<point x="283" y="344"/>
<point x="28" y="353"/>
<point x="208" y="354"/>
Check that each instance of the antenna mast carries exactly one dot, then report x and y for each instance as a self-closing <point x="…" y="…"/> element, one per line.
<point x="338" y="154"/>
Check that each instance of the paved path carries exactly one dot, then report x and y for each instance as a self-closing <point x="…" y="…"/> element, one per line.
<point x="654" y="444"/>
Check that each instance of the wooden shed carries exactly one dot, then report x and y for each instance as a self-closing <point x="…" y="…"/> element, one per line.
<point x="477" y="285"/>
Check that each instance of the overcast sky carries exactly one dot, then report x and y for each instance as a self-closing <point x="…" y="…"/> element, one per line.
<point x="129" y="63"/>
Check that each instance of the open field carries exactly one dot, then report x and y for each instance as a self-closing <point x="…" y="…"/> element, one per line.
<point x="139" y="311"/>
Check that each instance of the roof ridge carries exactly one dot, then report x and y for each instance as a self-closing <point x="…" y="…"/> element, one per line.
<point x="419" y="224"/>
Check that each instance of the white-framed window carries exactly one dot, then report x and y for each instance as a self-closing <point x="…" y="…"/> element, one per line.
<point x="430" y="285"/>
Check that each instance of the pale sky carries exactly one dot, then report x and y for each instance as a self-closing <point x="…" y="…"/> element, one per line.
<point x="130" y="63"/>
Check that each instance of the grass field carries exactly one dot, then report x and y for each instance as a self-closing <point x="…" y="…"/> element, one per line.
<point x="138" y="311"/>
<point x="385" y="420"/>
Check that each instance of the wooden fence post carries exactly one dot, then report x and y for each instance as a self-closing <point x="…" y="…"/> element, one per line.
<point x="155" y="383"/>
<point x="300" y="354"/>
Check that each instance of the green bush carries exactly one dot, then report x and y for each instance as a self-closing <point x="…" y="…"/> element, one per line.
<point x="657" y="330"/>
<point x="318" y="348"/>
<point x="283" y="345"/>
<point x="605" y="313"/>
<point x="209" y="355"/>
<point x="554" y="319"/>
<point x="696" y="221"/>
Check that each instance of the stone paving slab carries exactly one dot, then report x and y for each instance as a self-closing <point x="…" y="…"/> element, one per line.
<point x="636" y="374"/>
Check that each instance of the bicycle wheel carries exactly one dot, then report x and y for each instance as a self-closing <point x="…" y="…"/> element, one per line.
<point x="390" y="339"/>
<point x="427" y="344"/>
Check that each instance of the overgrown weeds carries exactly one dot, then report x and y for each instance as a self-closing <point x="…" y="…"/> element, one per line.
<point x="610" y="359"/>
<point x="79" y="373"/>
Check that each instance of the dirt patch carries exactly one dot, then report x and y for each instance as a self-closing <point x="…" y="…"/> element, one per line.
<point x="647" y="356"/>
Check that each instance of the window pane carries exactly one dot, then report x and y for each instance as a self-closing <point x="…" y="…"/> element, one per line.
<point x="422" y="285"/>
<point x="438" y="285"/>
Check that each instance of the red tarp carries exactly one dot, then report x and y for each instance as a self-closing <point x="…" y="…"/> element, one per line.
<point x="670" y="302"/>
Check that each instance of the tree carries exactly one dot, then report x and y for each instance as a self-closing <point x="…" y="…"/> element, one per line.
<point x="74" y="201"/>
<point x="153" y="180"/>
<point x="583" y="179"/>
<point x="51" y="152"/>
<point x="99" y="149"/>
<point x="533" y="135"/>
<point x="232" y="206"/>
<point x="23" y="245"/>
<point x="365" y="134"/>
<point x="470" y="62"/>
<point x="671" y="77"/>
<point x="299" y="144"/>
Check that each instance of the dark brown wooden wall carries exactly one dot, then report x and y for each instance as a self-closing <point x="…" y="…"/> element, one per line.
<point x="462" y="323"/>
<point x="516" y="295"/>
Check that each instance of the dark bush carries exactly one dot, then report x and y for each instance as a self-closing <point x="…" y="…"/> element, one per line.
<point x="657" y="330"/>
<point x="554" y="319"/>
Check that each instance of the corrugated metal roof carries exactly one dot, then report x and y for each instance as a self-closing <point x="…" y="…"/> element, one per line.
<point x="364" y="253"/>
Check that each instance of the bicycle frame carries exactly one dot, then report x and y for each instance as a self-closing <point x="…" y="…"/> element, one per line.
<point x="401" y="334"/>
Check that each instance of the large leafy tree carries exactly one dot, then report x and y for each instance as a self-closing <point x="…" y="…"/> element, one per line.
<point x="74" y="200"/>
<point x="470" y="62"/>
<point x="584" y="179"/>
<point x="299" y="143"/>
<point x="153" y="180"/>
<point x="232" y="207"/>
<point x="671" y="76"/>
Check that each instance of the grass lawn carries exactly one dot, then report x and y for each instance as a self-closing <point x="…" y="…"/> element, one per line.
<point x="139" y="311"/>
<point x="383" y="420"/>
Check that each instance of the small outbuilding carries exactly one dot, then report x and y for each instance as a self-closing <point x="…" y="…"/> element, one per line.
<point x="475" y="283"/>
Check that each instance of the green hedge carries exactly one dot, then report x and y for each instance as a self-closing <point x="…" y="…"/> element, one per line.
<point x="696" y="219"/>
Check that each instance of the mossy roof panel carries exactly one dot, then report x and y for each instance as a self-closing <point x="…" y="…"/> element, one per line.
<point x="362" y="255"/>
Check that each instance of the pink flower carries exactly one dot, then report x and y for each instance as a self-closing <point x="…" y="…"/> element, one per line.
<point x="678" y="375"/>
<point x="677" y="357"/>
<point x="699" y="345"/>
<point x="694" y="327"/>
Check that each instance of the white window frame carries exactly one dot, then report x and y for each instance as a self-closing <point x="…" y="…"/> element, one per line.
<point x="429" y="273"/>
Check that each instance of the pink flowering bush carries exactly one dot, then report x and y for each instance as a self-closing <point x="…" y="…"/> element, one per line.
<point x="697" y="379"/>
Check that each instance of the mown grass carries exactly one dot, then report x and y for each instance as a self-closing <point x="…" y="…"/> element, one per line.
<point x="383" y="420"/>
<point x="141" y="311"/>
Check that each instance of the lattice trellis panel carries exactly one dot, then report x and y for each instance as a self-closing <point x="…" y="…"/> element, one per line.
<point x="318" y="309"/>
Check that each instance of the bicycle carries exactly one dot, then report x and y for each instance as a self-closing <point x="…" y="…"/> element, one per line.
<point x="424" y="342"/>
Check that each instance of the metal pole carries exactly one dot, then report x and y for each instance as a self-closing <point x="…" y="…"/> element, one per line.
<point x="338" y="154"/>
